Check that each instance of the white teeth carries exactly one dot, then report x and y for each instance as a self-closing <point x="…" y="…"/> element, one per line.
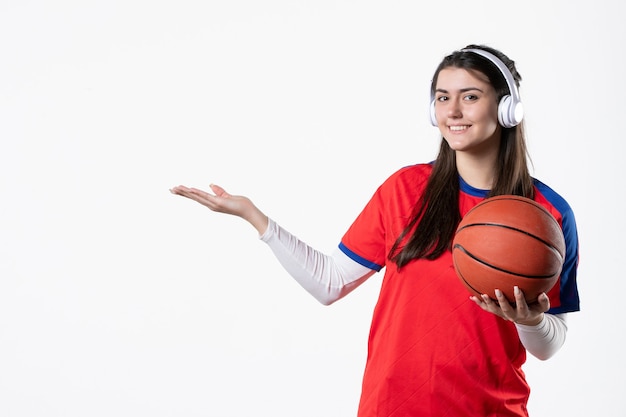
<point x="457" y="128"/>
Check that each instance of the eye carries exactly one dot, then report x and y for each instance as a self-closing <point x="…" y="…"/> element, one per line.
<point x="442" y="98"/>
<point x="470" y="97"/>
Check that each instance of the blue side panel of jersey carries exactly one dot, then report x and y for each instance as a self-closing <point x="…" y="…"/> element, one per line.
<point x="570" y="300"/>
<point x="358" y="259"/>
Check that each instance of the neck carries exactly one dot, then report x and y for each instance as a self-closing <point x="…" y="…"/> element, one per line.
<point x="477" y="171"/>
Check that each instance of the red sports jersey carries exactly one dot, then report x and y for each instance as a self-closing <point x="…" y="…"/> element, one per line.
<point x="432" y="351"/>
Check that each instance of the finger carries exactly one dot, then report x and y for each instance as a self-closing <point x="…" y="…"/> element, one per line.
<point x="520" y="300"/>
<point x="479" y="301"/>
<point x="489" y="303"/>
<point x="188" y="192"/>
<point x="179" y="189"/>
<point x="502" y="300"/>
<point x="475" y="299"/>
<point x="197" y="191"/>
<point x="196" y="195"/>
<point x="519" y="294"/>
<point x="505" y="305"/>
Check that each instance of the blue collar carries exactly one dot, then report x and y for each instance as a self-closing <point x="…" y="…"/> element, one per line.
<point x="468" y="189"/>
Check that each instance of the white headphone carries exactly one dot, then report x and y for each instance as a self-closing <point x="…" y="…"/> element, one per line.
<point x="510" y="108"/>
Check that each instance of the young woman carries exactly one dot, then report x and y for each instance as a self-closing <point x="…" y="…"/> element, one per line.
<point x="433" y="350"/>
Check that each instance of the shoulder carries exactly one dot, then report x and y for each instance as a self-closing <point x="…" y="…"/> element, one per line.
<point x="402" y="188"/>
<point x="411" y="174"/>
<point x="551" y="197"/>
<point x="560" y="209"/>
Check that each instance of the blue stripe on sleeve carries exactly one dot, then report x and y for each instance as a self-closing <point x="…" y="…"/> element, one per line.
<point x="359" y="259"/>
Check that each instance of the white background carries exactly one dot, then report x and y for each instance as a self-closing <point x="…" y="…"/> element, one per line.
<point x="118" y="298"/>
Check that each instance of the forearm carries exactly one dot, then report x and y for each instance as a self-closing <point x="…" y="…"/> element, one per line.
<point x="546" y="338"/>
<point x="327" y="277"/>
<point x="257" y="219"/>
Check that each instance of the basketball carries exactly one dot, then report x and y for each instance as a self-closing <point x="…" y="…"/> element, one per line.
<point x="507" y="241"/>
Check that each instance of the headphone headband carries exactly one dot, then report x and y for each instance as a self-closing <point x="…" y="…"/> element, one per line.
<point x="508" y="77"/>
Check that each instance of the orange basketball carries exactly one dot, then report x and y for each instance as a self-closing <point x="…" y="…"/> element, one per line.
<point x="508" y="241"/>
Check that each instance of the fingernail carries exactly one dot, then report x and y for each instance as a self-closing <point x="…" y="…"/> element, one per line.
<point x="498" y="293"/>
<point x="516" y="290"/>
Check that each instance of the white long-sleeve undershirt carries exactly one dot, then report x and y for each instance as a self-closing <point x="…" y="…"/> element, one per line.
<point x="329" y="278"/>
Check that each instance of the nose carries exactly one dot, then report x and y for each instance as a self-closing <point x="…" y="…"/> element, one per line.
<point x="454" y="109"/>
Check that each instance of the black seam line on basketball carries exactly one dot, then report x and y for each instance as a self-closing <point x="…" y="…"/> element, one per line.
<point x="461" y="248"/>
<point x="530" y="203"/>
<point x="476" y="290"/>
<point x="470" y="285"/>
<point x="548" y="244"/>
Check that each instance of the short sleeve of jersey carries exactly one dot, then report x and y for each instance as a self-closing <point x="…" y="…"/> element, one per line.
<point x="373" y="233"/>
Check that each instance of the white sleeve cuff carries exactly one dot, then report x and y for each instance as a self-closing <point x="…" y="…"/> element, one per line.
<point x="546" y="338"/>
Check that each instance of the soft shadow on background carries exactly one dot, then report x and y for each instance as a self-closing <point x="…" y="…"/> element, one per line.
<point x="117" y="298"/>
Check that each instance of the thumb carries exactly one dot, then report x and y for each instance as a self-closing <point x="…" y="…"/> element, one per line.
<point x="219" y="191"/>
<point x="544" y="301"/>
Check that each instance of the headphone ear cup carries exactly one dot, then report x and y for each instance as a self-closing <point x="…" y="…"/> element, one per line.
<point x="504" y="112"/>
<point x="510" y="112"/>
<point x="433" y="117"/>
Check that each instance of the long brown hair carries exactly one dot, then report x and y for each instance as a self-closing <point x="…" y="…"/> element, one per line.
<point x="436" y="215"/>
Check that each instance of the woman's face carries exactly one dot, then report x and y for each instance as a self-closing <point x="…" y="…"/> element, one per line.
<point x="466" y="107"/>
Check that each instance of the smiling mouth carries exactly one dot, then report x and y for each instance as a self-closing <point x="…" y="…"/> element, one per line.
<point x="458" y="128"/>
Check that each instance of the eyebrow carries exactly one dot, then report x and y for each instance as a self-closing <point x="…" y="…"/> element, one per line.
<point x="462" y="90"/>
